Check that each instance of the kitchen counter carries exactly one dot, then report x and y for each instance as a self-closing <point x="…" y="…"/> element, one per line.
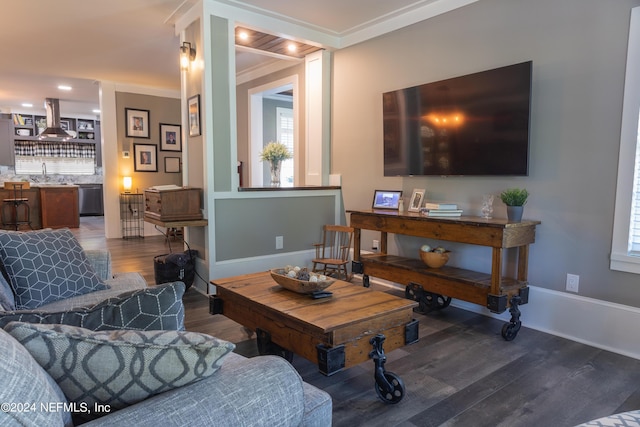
<point x="52" y="205"/>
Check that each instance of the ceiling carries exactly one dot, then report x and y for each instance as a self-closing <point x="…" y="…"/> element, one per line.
<point x="78" y="43"/>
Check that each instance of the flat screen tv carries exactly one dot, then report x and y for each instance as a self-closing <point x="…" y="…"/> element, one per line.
<point x="476" y="124"/>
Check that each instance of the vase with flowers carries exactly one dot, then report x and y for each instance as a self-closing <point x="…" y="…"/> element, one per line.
<point x="274" y="153"/>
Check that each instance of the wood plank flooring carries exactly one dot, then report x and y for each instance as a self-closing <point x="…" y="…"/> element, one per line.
<point x="460" y="373"/>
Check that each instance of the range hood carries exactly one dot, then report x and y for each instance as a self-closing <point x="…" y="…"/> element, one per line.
<point x="53" y="129"/>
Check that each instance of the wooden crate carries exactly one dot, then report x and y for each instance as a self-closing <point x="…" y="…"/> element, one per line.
<point x="173" y="205"/>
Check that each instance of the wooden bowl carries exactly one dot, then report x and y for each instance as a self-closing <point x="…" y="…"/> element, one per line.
<point x="299" y="286"/>
<point x="434" y="259"/>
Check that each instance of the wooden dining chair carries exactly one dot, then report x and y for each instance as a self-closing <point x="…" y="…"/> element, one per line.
<point x="332" y="255"/>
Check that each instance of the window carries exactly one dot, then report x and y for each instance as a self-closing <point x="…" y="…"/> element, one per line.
<point x="45" y="157"/>
<point x="625" y="248"/>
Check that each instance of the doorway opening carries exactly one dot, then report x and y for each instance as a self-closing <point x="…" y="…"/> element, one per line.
<point x="273" y="116"/>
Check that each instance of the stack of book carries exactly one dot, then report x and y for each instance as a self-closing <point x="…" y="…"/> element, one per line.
<point x="441" y="209"/>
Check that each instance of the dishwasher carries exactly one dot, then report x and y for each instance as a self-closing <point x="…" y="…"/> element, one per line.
<point x="90" y="200"/>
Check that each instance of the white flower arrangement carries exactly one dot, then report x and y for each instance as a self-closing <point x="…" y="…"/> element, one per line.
<point x="275" y="151"/>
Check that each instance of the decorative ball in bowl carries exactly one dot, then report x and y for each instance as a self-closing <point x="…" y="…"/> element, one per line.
<point x="435" y="259"/>
<point x="308" y="283"/>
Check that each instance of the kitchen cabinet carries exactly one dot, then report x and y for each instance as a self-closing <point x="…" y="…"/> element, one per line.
<point x="6" y="141"/>
<point x="25" y="127"/>
<point x="59" y="206"/>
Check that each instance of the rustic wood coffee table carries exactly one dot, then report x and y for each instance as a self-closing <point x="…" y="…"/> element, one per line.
<point x="335" y="333"/>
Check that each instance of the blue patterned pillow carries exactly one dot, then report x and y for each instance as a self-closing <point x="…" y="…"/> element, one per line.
<point x="119" y="368"/>
<point x="45" y="266"/>
<point x="154" y="308"/>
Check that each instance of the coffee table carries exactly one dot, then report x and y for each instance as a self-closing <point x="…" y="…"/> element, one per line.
<point x="335" y="333"/>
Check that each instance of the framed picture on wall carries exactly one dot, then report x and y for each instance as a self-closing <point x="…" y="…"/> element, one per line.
<point x="137" y="123"/>
<point x="193" y="108"/>
<point x="416" y="200"/>
<point x="386" y="199"/>
<point x="172" y="164"/>
<point x="145" y="157"/>
<point x="170" y="137"/>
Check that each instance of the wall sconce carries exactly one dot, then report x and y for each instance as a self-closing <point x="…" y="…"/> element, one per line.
<point x="187" y="55"/>
<point x="126" y="183"/>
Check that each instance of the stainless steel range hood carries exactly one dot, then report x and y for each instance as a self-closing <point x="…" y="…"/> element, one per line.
<point x="53" y="129"/>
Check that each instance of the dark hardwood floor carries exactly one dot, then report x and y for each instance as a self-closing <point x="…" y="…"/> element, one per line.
<point x="460" y="373"/>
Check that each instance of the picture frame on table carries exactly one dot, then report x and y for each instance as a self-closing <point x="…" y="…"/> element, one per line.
<point x="386" y="199"/>
<point x="193" y="109"/>
<point x="417" y="199"/>
<point x="137" y="123"/>
<point x="145" y="157"/>
<point x="170" y="137"/>
<point x="172" y="164"/>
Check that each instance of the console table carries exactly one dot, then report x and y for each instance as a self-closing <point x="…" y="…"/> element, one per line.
<point x="434" y="287"/>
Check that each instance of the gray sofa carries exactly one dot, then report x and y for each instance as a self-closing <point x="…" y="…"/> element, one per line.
<point x="259" y="391"/>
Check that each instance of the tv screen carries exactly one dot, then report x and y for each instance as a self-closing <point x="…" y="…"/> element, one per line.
<point x="476" y="124"/>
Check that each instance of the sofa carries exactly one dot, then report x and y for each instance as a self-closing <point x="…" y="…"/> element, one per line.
<point x="119" y="355"/>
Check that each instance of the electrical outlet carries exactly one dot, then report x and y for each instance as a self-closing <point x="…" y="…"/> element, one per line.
<point x="573" y="282"/>
<point x="279" y="242"/>
<point x="376" y="245"/>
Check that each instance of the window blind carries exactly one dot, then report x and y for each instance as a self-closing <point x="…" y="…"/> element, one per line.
<point x="634" y="223"/>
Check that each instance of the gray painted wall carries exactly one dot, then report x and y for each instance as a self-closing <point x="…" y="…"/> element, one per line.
<point x="578" y="49"/>
<point x="248" y="227"/>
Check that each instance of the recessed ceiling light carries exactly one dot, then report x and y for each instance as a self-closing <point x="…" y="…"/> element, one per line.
<point x="243" y="35"/>
<point x="64" y="87"/>
<point x="27" y="105"/>
<point x="292" y="47"/>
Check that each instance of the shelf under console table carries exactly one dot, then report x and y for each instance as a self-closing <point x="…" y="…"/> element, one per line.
<point x="434" y="287"/>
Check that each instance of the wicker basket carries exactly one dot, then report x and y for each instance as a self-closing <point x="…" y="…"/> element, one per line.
<point x="299" y="286"/>
<point x="434" y="259"/>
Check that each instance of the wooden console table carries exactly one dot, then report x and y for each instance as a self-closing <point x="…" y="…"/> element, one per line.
<point x="434" y="287"/>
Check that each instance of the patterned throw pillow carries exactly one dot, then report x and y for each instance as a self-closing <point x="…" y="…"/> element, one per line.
<point x="45" y="266"/>
<point x="119" y="368"/>
<point x="25" y="383"/>
<point x="154" y="308"/>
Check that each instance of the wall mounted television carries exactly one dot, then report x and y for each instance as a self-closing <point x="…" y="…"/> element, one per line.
<point x="477" y="124"/>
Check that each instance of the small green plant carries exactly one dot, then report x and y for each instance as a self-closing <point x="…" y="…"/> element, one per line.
<point x="514" y="196"/>
<point x="275" y="151"/>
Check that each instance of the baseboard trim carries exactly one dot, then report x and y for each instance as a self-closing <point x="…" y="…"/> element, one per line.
<point x="600" y="324"/>
<point x="608" y="326"/>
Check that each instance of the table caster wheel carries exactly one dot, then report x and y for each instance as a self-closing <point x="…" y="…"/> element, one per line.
<point x="394" y="395"/>
<point x="510" y="330"/>
<point x="441" y="301"/>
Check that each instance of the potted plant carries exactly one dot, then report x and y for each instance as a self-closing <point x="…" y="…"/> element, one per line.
<point x="515" y="199"/>
<point x="274" y="153"/>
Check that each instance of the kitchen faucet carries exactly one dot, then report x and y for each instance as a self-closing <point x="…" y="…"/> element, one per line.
<point x="44" y="170"/>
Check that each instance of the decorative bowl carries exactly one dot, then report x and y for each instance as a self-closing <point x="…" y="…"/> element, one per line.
<point x="299" y="286"/>
<point x="434" y="259"/>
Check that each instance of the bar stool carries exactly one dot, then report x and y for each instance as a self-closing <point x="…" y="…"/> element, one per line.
<point x="18" y="206"/>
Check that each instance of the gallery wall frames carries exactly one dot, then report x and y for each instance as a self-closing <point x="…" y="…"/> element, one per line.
<point x="145" y="157"/>
<point x="137" y="123"/>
